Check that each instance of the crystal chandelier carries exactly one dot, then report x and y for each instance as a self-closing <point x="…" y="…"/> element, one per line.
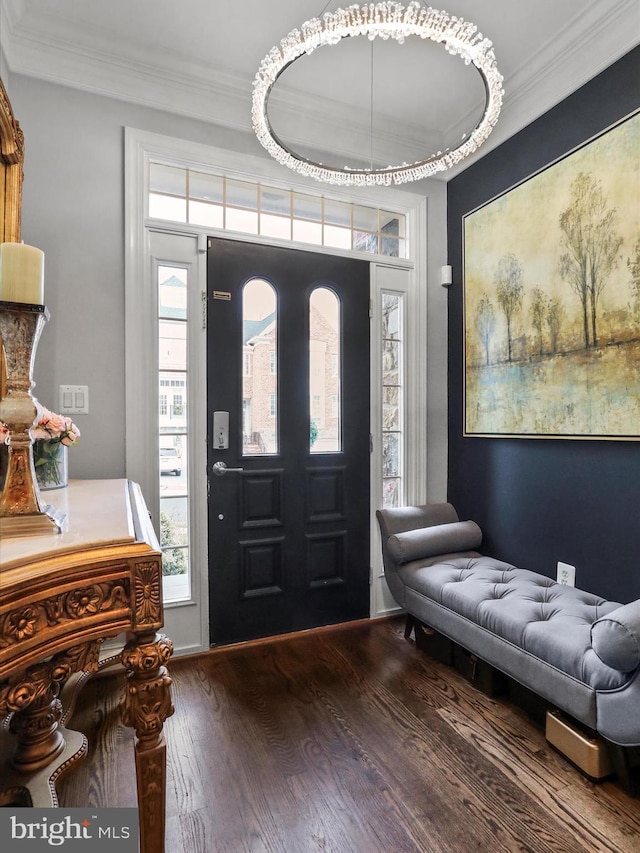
<point x="381" y="20"/>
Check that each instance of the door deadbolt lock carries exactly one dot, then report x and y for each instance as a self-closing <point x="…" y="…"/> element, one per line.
<point x="221" y="430"/>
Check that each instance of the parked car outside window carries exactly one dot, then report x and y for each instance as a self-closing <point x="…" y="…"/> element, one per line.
<point x="170" y="461"/>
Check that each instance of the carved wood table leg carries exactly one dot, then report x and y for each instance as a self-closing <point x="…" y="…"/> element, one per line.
<point x="146" y="705"/>
<point x="37" y="730"/>
<point x="43" y="749"/>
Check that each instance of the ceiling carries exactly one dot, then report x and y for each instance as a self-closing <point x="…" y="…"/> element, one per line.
<point x="198" y="58"/>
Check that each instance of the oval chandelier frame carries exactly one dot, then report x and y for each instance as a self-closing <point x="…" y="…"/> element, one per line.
<point x="383" y="20"/>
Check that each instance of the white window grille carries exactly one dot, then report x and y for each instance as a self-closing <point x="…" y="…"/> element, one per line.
<point x="179" y="194"/>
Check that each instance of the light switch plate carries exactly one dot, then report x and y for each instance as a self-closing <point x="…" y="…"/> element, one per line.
<point x="74" y="400"/>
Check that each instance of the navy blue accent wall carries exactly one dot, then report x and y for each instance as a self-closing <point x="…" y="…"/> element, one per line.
<point x="543" y="500"/>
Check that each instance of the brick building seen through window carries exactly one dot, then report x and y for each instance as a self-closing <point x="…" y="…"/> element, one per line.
<point x="260" y="383"/>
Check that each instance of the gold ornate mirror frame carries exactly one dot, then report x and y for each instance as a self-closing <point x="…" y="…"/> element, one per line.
<point x="11" y="173"/>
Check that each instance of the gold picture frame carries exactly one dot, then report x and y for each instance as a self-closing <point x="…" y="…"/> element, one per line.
<point x="552" y="298"/>
<point x="11" y="171"/>
<point x="11" y="176"/>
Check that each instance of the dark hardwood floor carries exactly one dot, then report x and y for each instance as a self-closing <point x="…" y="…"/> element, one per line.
<point x="348" y="741"/>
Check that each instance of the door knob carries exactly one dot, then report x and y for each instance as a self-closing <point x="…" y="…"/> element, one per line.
<point x="220" y="469"/>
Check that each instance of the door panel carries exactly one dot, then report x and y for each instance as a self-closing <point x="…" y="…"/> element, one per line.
<point x="289" y="533"/>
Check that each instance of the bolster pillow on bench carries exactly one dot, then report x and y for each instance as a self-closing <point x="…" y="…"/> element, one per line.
<point x="431" y="541"/>
<point x="615" y="638"/>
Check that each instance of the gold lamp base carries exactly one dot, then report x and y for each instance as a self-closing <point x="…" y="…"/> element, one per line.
<point x="22" y="510"/>
<point x="50" y="520"/>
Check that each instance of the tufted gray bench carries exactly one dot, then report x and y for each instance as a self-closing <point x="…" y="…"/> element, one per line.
<point x="577" y="651"/>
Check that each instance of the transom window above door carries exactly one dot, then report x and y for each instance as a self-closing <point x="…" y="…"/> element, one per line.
<point x="178" y="194"/>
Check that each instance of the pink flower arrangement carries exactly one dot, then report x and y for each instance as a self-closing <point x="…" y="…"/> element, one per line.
<point x="56" y="428"/>
<point x="50" y="427"/>
<point x="50" y="435"/>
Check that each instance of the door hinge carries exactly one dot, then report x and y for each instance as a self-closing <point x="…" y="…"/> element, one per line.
<point x="370" y="575"/>
<point x="370" y="308"/>
<point x="203" y="301"/>
<point x="370" y="442"/>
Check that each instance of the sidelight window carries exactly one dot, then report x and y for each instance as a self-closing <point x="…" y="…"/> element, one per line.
<point x="392" y="399"/>
<point x="173" y="430"/>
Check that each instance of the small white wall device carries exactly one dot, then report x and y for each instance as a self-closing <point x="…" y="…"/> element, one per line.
<point x="566" y="574"/>
<point x="221" y="430"/>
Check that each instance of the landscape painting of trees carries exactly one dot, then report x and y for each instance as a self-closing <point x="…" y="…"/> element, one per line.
<point x="552" y="299"/>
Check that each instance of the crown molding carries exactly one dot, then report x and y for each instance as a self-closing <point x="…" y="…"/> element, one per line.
<point x="213" y="96"/>
<point x="177" y="87"/>
<point x="8" y="14"/>
<point x="197" y="91"/>
<point x="558" y="69"/>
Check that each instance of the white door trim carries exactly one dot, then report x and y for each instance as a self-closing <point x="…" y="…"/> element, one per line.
<point x="189" y="634"/>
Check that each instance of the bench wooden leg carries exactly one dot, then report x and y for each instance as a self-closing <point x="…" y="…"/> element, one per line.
<point x="409" y="625"/>
<point x="621" y="761"/>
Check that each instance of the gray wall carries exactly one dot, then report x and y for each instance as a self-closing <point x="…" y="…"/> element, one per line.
<point x="73" y="209"/>
<point x="4" y="72"/>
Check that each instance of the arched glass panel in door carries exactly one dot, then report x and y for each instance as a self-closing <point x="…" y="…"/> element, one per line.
<point x="259" y="369"/>
<point x="325" y="409"/>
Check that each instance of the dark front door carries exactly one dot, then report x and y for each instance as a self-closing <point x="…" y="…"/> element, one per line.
<point x="288" y="360"/>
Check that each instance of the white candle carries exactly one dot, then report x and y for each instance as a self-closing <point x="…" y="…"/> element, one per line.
<point x="21" y="273"/>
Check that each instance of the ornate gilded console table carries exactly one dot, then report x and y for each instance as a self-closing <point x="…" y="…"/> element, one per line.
<point x="61" y="596"/>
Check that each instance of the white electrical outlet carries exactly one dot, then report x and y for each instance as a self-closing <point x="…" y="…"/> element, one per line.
<point x="566" y="574"/>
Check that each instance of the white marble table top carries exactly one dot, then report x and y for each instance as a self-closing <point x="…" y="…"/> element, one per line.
<point x="98" y="513"/>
